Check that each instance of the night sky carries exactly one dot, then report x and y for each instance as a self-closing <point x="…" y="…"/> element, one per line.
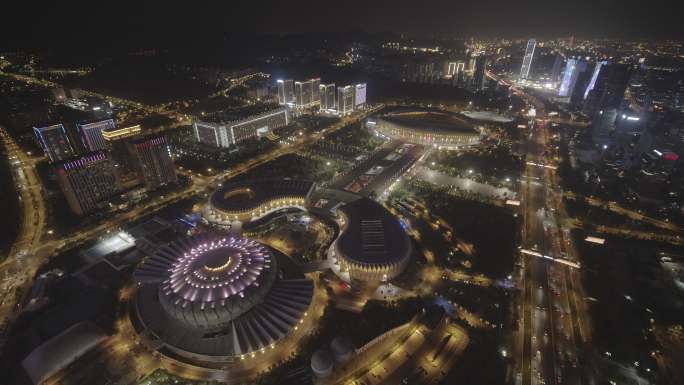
<point x="64" y="22"/>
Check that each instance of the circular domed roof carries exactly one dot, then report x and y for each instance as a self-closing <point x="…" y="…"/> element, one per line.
<point x="212" y="297"/>
<point x="216" y="270"/>
<point x="206" y="284"/>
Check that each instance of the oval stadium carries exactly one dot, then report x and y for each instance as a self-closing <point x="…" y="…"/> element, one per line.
<point x="434" y="128"/>
<point x="372" y="245"/>
<point x="250" y="200"/>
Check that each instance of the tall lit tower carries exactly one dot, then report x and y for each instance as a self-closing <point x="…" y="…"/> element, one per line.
<point x="479" y="77"/>
<point x="592" y="82"/>
<point x="573" y="68"/>
<point x="152" y="156"/>
<point x="54" y="141"/>
<point x="87" y="182"/>
<point x="527" y="60"/>
<point x="307" y="93"/>
<point x="327" y="92"/>
<point x="91" y="133"/>
<point x="345" y="99"/>
<point x="285" y="91"/>
<point x="556" y="70"/>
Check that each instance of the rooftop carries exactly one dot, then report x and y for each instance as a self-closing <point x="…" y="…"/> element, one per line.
<point x="373" y="235"/>
<point x="251" y="194"/>
<point x="430" y="120"/>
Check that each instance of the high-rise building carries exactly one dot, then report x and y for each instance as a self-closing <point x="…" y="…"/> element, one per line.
<point x="327" y="92"/>
<point x="470" y="61"/>
<point x="116" y="140"/>
<point x="453" y="68"/>
<point x="527" y="59"/>
<point x="345" y="100"/>
<point x="449" y="70"/>
<point x="581" y="84"/>
<point x="603" y="124"/>
<point x="152" y="157"/>
<point x="605" y="99"/>
<point x="479" y="76"/>
<point x="460" y="68"/>
<point x="221" y="130"/>
<point x="307" y="93"/>
<point x="609" y="89"/>
<point x="572" y="70"/>
<point x="460" y="75"/>
<point x="594" y="76"/>
<point x="91" y="133"/>
<point x="359" y="95"/>
<point x="54" y="141"/>
<point x="556" y="69"/>
<point x="286" y="93"/>
<point x="87" y="182"/>
<point x="114" y="134"/>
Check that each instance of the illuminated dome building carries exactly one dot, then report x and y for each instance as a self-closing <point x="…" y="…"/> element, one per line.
<point x="212" y="299"/>
<point x="426" y="127"/>
<point x="372" y="245"/>
<point x="251" y="200"/>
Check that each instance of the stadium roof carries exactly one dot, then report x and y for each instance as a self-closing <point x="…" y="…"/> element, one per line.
<point x="61" y="350"/>
<point x="373" y="235"/>
<point x="430" y="120"/>
<point x="248" y="195"/>
<point x="218" y="297"/>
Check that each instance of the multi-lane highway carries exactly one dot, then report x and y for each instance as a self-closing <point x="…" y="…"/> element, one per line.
<point x="31" y="227"/>
<point x="553" y="318"/>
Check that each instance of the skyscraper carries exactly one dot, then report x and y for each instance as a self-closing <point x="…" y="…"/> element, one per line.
<point x="307" y="93"/>
<point x="345" y="100"/>
<point x="54" y="141"/>
<point x="327" y="92"/>
<point x="479" y="75"/>
<point x="152" y="157"/>
<point x="116" y="140"/>
<point x="91" y="133"/>
<point x="556" y="69"/>
<point x="460" y="75"/>
<point x="527" y="59"/>
<point x="572" y="70"/>
<point x="87" y="182"/>
<point x="592" y="82"/>
<point x="285" y="91"/>
<point x="604" y="100"/>
<point x="609" y="88"/>
<point x="359" y="95"/>
<point x="581" y="85"/>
